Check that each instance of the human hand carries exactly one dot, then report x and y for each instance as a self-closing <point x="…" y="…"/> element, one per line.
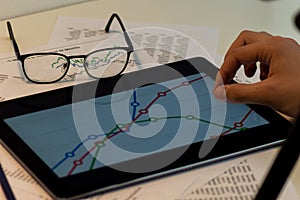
<point x="279" y="60"/>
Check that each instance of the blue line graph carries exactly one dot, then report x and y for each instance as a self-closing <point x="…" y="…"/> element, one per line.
<point x="105" y="59"/>
<point x="134" y="104"/>
<point x="66" y="153"/>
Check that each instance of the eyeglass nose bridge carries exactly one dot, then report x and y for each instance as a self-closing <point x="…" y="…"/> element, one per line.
<point x="74" y="64"/>
<point x="77" y="60"/>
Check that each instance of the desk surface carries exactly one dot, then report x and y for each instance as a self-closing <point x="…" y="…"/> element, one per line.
<point x="231" y="17"/>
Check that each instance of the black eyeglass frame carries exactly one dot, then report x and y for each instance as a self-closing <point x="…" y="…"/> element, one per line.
<point x="22" y="57"/>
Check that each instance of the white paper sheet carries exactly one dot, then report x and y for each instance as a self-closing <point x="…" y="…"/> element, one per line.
<point x="75" y="36"/>
<point x="234" y="179"/>
<point x="69" y="30"/>
<point x="23" y="185"/>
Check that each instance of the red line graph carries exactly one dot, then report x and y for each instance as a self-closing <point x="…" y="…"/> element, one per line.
<point x="238" y="124"/>
<point x="144" y="111"/>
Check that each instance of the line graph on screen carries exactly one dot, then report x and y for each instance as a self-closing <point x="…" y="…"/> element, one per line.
<point x="137" y="112"/>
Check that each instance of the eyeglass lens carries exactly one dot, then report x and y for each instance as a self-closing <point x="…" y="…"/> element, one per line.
<point x="98" y="64"/>
<point x="106" y="63"/>
<point x="45" y="67"/>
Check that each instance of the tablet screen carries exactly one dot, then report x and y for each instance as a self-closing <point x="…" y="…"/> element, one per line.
<point x="130" y="124"/>
<point x="133" y="127"/>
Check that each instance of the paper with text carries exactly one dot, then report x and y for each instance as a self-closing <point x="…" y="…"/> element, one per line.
<point x="76" y="36"/>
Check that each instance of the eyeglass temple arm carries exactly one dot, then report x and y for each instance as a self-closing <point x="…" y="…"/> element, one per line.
<point x="107" y="27"/>
<point x="11" y="35"/>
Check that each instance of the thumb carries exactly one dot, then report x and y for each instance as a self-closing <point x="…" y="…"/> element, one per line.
<point x="256" y="93"/>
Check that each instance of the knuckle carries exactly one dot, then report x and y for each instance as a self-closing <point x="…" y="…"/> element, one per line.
<point x="274" y="44"/>
<point x="291" y="40"/>
<point x="264" y="33"/>
<point x="244" y="33"/>
<point x="278" y="43"/>
<point x="276" y="40"/>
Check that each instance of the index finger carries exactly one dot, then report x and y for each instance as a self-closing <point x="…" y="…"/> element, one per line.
<point x="245" y="55"/>
<point x="248" y="37"/>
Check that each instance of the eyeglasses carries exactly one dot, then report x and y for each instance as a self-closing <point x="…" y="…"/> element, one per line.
<point x="50" y="67"/>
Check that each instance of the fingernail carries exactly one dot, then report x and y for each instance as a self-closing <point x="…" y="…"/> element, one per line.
<point x="220" y="93"/>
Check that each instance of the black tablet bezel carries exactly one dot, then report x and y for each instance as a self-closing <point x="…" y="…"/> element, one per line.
<point x="71" y="187"/>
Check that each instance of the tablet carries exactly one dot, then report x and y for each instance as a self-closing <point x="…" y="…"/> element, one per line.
<point x="111" y="133"/>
